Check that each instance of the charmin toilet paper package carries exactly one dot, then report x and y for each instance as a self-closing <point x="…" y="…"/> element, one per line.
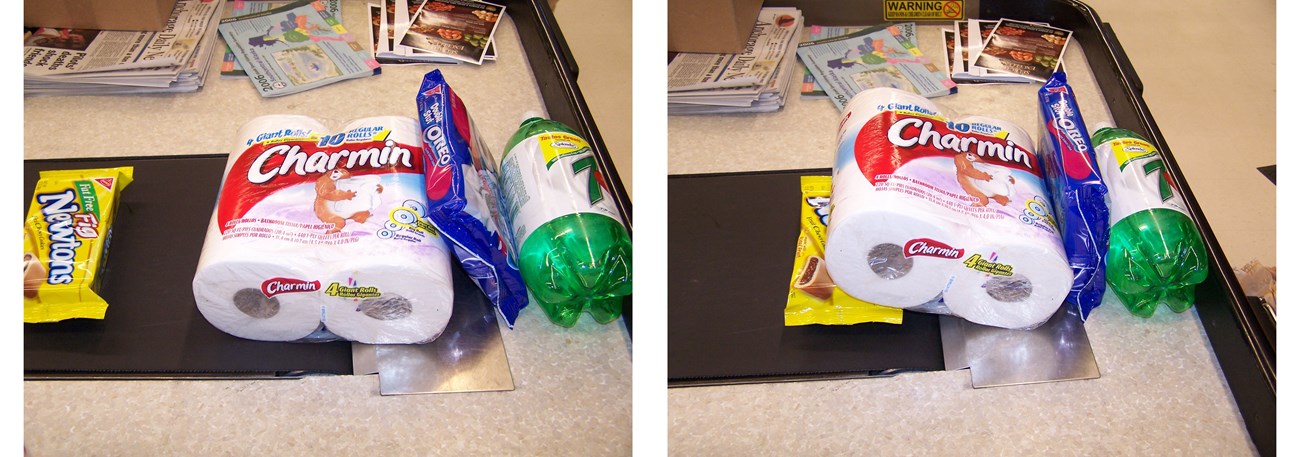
<point x="325" y="232"/>
<point x="353" y="312"/>
<point x="880" y="253"/>
<point x="1000" y="274"/>
<point x="928" y="213"/>
<point x="264" y="300"/>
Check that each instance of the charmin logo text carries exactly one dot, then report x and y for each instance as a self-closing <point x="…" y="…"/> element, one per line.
<point x="931" y="248"/>
<point x="277" y="286"/>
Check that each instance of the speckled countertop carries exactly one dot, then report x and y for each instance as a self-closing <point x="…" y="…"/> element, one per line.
<point x="1161" y="391"/>
<point x="573" y="387"/>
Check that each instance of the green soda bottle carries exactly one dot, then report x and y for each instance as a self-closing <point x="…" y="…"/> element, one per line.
<point x="574" y="253"/>
<point x="1156" y="255"/>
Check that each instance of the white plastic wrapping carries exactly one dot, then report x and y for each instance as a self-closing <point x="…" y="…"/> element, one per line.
<point x="322" y="231"/>
<point x="928" y="212"/>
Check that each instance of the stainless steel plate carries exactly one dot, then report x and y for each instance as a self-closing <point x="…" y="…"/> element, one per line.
<point x="1055" y="351"/>
<point x="469" y="356"/>
<point x="363" y="359"/>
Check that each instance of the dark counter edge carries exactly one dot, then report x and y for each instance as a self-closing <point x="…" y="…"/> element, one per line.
<point x="165" y="376"/>
<point x="785" y="377"/>
<point x="1239" y="333"/>
<point x="556" y="72"/>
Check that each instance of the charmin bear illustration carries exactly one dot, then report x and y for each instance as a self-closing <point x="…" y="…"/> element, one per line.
<point x="984" y="181"/>
<point x="337" y="199"/>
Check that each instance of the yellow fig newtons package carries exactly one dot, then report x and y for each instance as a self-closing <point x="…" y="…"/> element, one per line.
<point x="813" y="298"/>
<point x="65" y="241"/>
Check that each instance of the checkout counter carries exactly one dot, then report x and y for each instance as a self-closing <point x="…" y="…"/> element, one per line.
<point x="572" y="388"/>
<point x="1201" y="382"/>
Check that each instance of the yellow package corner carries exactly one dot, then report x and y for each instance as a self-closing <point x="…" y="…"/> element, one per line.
<point x="65" y="240"/>
<point x="813" y="296"/>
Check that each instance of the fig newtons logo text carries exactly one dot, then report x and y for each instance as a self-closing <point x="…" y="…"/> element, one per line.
<point x="58" y="209"/>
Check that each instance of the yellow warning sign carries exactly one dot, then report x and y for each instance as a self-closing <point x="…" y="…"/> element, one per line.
<point x="905" y="10"/>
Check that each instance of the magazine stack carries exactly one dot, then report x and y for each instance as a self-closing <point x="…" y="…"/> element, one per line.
<point x="433" y="31"/>
<point x="1004" y="51"/>
<point x="230" y="67"/>
<point x="62" y="61"/>
<point x="756" y="80"/>
<point x="845" y="62"/>
<point x="296" y="47"/>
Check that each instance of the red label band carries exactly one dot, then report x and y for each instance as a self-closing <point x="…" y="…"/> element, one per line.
<point x="931" y="248"/>
<point x="263" y="169"/>
<point x="277" y="286"/>
<point x="889" y="140"/>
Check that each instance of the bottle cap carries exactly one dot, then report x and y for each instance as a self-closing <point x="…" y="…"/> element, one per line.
<point x="529" y="115"/>
<point x="1101" y="125"/>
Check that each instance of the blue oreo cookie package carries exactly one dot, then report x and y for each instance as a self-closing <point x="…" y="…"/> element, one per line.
<point x="464" y="202"/>
<point x="1078" y="193"/>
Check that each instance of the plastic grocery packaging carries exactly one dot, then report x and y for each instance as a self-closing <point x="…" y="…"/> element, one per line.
<point x="574" y="252"/>
<point x="318" y="235"/>
<point x="1077" y="190"/>
<point x="942" y="215"/>
<point x="464" y="202"/>
<point x="813" y="297"/>
<point x="1156" y="254"/>
<point x="65" y="244"/>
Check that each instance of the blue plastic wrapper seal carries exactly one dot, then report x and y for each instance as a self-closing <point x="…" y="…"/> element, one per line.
<point x="464" y="202"/>
<point x="1078" y="193"/>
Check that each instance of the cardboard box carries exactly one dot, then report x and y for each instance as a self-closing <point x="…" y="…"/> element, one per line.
<point x="714" y="26"/>
<point x="145" y="15"/>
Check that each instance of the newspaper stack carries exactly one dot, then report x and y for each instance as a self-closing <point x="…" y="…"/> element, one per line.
<point x="756" y="80"/>
<point x="103" y="62"/>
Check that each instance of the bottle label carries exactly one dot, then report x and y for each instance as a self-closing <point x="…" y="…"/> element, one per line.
<point x="550" y="175"/>
<point x="1137" y="178"/>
